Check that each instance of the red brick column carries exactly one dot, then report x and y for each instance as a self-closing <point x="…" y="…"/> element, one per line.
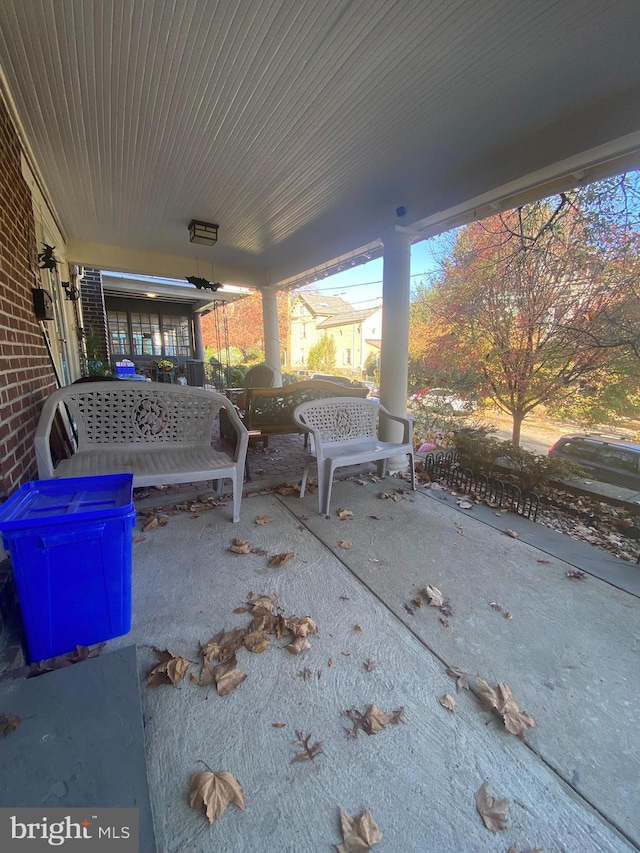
<point x="26" y="374"/>
<point x="94" y="315"/>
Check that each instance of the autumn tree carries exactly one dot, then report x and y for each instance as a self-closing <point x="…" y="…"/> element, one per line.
<point x="322" y="356"/>
<point x="528" y="300"/>
<point x="243" y="320"/>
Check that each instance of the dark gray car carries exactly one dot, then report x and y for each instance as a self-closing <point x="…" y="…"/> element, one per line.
<point x="610" y="460"/>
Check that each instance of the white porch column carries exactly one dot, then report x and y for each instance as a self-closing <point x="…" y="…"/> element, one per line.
<point x="271" y="332"/>
<point x="197" y="337"/>
<point x="394" y="364"/>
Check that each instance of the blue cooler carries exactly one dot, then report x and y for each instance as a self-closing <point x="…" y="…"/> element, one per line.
<point x="70" y="544"/>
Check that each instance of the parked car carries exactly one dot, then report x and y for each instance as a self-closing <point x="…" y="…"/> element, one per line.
<point x="614" y="459"/>
<point x="442" y="399"/>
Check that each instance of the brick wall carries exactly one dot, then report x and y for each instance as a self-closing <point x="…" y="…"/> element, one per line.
<point x="26" y="375"/>
<point x="94" y="316"/>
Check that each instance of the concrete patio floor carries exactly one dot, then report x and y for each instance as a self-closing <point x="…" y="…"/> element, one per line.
<point x="569" y="653"/>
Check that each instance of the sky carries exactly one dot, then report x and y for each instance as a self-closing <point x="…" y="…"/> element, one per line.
<point x="362" y="285"/>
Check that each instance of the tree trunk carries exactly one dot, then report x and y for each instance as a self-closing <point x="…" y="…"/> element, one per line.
<point x="518" y="417"/>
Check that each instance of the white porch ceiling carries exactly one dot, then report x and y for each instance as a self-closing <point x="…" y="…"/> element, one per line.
<point x="299" y="126"/>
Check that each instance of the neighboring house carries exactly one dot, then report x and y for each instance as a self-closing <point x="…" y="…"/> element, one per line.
<point x="356" y="334"/>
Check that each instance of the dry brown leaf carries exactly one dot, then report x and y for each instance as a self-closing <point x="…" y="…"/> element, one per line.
<point x="281" y="559"/>
<point x="359" y="833"/>
<point x="544" y="561"/>
<point x="434" y="597"/>
<point x="163" y="520"/>
<point x="225" y="644"/>
<point x="575" y="574"/>
<point x="227" y="676"/>
<point x="462" y="682"/>
<point x="214" y="791"/>
<point x="150" y="525"/>
<point x="287" y="489"/>
<point x="8" y="723"/>
<point x="264" y="519"/>
<point x="375" y="517"/>
<point x="358" y="628"/>
<point x="309" y="750"/>
<point x="300" y="644"/>
<point x="257" y="641"/>
<point x="417" y="601"/>
<point x="278" y="725"/>
<point x="263" y="605"/>
<point x="344" y="544"/>
<point x="240" y="610"/>
<point x="330" y="662"/>
<point x="512" y="533"/>
<point x="492" y="810"/>
<point x="373" y="721"/>
<point x="500" y="699"/>
<point x="240" y="546"/>
<point x="171" y="669"/>
<point x="344" y="514"/>
<point x="447" y="701"/>
<point x="137" y="539"/>
<point x="514" y="849"/>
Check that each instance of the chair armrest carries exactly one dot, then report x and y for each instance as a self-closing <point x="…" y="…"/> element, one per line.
<point x="407" y="424"/>
<point x="41" y="441"/>
<point x="242" y="443"/>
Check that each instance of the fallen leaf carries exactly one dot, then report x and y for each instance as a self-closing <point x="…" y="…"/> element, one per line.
<point x="512" y="533"/>
<point x="507" y="615"/>
<point x="287" y="489"/>
<point x="464" y="504"/>
<point x="263" y="605"/>
<point x="417" y="601"/>
<point x="330" y="662"/>
<point x="278" y="725"/>
<point x="305" y="673"/>
<point x="225" y="644"/>
<point x="171" y="669"/>
<point x="227" y="676"/>
<point x="514" y="849"/>
<point x="500" y="699"/>
<point x="137" y="539"/>
<point x="8" y="723"/>
<point x="462" y="682"/>
<point x="240" y="610"/>
<point x="359" y="833"/>
<point x="375" y="517"/>
<point x="150" y="525"/>
<point x="344" y="514"/>
<point x="447" y="701"/>
<point x="575" y="574"/>
<point x="433" y="595"/>
<point x="492" y="810"/>
<point x="459" y="529"/>
<point x="264" y="519"/>
<point x="444" y="621"/>
<point x="373" y="721"/>
<point x="281" y="559"/>
<point x="257" y="641"/>
<point x="214" y="792"/>
<point x="344" y="598"/>
<point x="310" y="751"/>
<point x="544" y="561"/>
<point x="240" y="546"/>
<point x="344" y="544"/>
<point x="357" y="628"/>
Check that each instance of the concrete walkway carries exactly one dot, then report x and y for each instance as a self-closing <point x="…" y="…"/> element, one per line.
<point x="569" y="652"/>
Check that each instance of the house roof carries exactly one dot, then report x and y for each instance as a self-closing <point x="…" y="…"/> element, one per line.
<point x="347" y="318"/>
<point x="307" y="129"/>
<point x="321" y="305"/>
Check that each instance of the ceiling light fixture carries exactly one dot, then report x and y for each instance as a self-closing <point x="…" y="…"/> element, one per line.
<point x="205" y="233"/>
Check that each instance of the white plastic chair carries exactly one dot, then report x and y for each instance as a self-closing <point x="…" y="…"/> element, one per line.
<point x="345" y="432"/>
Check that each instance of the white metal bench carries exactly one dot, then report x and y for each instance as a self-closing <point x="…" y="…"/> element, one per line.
<point x="161" y="433"/>
<point x="345" y="432"/>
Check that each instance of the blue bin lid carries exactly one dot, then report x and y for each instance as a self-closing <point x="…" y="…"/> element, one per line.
<point x="73" y="499"/>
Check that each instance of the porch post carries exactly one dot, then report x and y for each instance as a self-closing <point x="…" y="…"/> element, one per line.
<point x="271" y="332"/>
<point x="394" y="364"/>
<point x="197" y="337"/>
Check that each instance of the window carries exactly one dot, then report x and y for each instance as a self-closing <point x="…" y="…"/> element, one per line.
<point x="175" y="335"/>
<point x="347" y="356"/>
<point x="119" y="331"/>
<point x="142" y="333"/>
<point x="145" y="334"/>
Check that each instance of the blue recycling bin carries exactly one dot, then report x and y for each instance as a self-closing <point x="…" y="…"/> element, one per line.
<point x="70" y="543"/>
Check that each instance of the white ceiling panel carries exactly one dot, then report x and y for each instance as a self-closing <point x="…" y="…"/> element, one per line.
<point x="300" y="125"/>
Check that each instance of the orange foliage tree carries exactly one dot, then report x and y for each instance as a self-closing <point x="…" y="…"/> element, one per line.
<point x="244" y="323"/>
